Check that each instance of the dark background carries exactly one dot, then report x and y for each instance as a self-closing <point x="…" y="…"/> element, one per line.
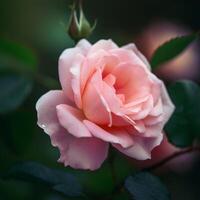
<point x="41" y="25"/>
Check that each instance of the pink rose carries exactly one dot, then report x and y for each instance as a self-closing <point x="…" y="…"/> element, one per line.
<point x="109" y="95"/>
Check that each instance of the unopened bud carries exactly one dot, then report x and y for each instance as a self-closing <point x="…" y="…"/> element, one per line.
<point x="81" y="28"/>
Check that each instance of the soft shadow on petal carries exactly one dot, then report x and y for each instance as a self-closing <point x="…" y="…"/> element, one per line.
<point x="80" y="153"/>
<point x="147" y="106"/>
<point x="132" y="81"/>
<point x="93" y="102"/>
<point x="71" y="119"/>
<point x="157" y="109"/>
<point x="113" y="135"/>
<point x="142" y="147"/>
<point x="91" y="63"/>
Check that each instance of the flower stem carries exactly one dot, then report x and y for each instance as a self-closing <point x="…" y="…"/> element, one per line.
<point x="171" y="157"/>
<point x="112" y="167"/>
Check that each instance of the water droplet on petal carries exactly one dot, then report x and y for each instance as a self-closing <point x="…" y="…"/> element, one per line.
<point x="43" y="126"/>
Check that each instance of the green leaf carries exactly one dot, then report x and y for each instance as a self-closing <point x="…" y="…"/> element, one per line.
<point x="18" y="65"/>
<point x="14" y="89"/>
<point x="171" y="49"/>
<point x="16" y="57"/>
<point x="59" y="181"/>
<point x="184" y="126"/>
<point x="145" y="186"/>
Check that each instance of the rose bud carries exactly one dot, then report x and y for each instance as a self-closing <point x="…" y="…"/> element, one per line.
<point x="81" y="28"/>
<point x="108" y="96"/>
<point x="184" y="66"/>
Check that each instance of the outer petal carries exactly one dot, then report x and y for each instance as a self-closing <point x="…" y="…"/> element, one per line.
<point x="84" y="45"/>
<point x="65" y="62"/>
<point x="75" y="71"/>
<point x="46" y="110"/>
<point x="71" y="119"/>
<point x="68" y="59"/>
<point x="113" y="135"/>
<point x="168" y="106"/>
<point x="80" y="153"/>
<point x="142" y="147"/>
<point x="133" y="48"/>
<point x="104" y="45"/>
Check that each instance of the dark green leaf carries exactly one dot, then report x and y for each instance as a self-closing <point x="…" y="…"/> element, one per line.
<point x="171" y="49"/>
<point x="14" y="89"/>
<point x="17" y="67"/>
<point x="16" y="57"/>
<point x="57" y="180"/>
<point x="184" y="125"/>
<point x="145" y="186"/>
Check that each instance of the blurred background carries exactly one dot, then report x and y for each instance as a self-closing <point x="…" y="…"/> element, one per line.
<point x="40" y="25"/>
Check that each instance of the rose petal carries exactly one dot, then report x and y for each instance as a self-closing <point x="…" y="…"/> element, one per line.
<point x="71" y="119"/>
<point x="66" y="61"/>
<point x="75" y="71"/>
<point x="84" y="45"/>
<point x="142" y="147"/>
<point x="152" y="120"/>
<point x="157" y="109"/>
<point x="132" y="81"/>
<point x="133" y="48"/>
<point x="103" y="44"/>
<point x="94" y="102"/>
<point x="156" y="86"/>
<point x="79" y="153"/>
<point x="97" y="60"/>
<point x="147" y="107"/>
<point x="115" y="135"/>
<point x="168" y="106"/>
<point x="46" y="110"/>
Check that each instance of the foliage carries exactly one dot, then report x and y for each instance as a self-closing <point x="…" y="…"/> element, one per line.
<point x="144" y="185"/>
<point x="170" y="49"/>
<point x="183" y="127"/>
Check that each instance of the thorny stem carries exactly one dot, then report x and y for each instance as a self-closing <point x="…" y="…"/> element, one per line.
<point x="171" y="157"/>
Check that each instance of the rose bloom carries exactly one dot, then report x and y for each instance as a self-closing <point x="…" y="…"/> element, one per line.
<point x="108" y="96"/>
<point x="186" y="65"/>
